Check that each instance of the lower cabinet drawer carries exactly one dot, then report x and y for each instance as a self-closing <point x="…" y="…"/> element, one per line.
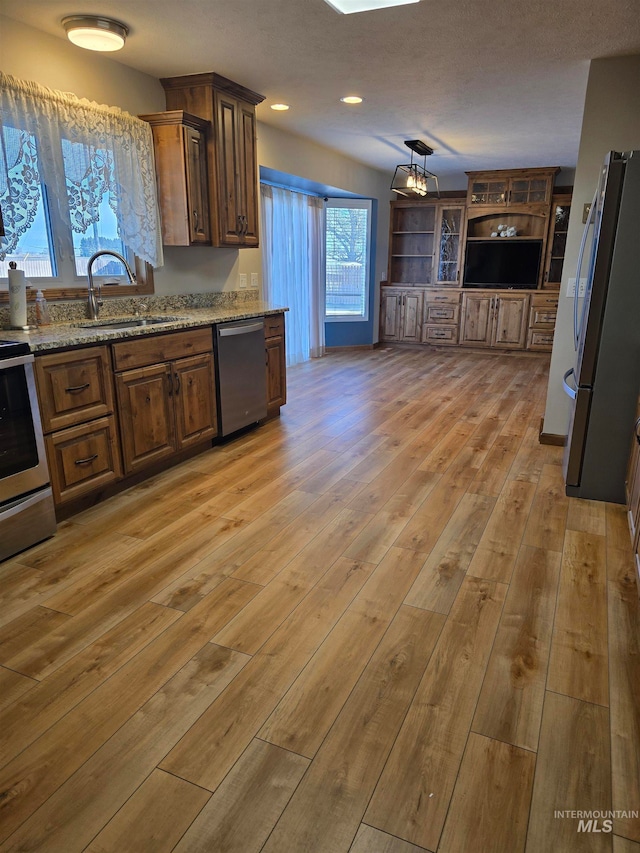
<point x="83" y="458"/>
<point x="273" y="325"/>
<point x="442" y="313"/>
<point x="543" y="317"/>
<point x="440" y="335"/>
<point x="540" y="340"/>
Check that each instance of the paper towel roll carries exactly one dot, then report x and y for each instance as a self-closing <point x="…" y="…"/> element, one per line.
<point x="17" y="298"/>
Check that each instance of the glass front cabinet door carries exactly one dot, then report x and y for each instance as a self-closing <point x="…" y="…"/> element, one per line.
<point x="449" y="244"/>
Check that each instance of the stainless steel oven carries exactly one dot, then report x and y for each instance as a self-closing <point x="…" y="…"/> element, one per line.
<point x="26" y="503"/>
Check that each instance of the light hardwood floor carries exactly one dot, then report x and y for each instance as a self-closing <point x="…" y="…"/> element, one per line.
<point x="375" y="625"/>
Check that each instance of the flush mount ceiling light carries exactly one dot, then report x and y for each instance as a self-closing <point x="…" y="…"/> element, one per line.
<point x="95" y="33"/>
<point x="412" y="179"/>
<point x="348" y="7"/>
<point x="280" y="107"/>
<point x="351" y="99"/>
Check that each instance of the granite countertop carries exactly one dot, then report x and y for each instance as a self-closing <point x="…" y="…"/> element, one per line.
<point x="61" y="335"/>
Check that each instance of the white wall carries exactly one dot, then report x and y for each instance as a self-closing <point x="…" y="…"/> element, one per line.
<point x="30" y="54"/>
<point x="611" y="121"/>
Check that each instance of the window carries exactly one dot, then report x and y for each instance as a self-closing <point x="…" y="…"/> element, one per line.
<point x="75" y="178"/>
<point x="348" y="250"/>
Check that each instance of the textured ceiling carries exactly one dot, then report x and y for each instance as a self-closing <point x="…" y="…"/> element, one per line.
<point x="486" y="83"/>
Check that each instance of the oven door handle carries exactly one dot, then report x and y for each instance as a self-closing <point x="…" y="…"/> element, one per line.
<point x="18" y="505"/>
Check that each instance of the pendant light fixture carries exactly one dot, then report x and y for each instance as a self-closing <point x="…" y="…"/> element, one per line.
<point x="412" y="179"/>
<point x="94" y="32"/>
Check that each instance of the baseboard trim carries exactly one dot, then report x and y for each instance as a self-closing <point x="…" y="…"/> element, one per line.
<point x="550" y="437"/>
<point x="350" y="348"/>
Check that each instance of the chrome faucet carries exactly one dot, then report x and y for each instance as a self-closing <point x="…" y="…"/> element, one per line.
<point x="93" y="298"/>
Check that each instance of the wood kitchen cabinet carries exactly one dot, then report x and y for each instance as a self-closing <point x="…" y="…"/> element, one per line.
<point x="449" y="227"/>
<point x="75" y="391"/>
<point x="231" y="151"/>
<point x="237" y="171"/>
<point x="180" y="147"/>
<point x="401" y="314"/>
<point x="441" y="317"/>
<point x="425" y="242"/>
<point x="510" y="188"/>
<point x="276" y="363"/>
<point x="166" y="398"/>
<point x="494" y="321"/>
<point x="542" y="321"/>
<point x="557" y="241"/>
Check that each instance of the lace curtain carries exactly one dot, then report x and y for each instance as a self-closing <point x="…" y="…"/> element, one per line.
<point x="292" y="240"/>
<point x="80" y="151"/>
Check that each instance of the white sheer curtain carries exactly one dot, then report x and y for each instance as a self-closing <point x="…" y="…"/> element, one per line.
<point x="292" y="240"/>
<point x="81" y="152"/>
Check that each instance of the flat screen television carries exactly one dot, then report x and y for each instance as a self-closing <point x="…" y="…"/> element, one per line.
<point x="502" y="262"/>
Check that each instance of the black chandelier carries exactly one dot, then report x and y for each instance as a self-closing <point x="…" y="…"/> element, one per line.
<point x="411" y="179"/>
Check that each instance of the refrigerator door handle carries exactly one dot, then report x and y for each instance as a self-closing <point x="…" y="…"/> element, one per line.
<point x="583" y="243"/>
<point x="572" y="392"/>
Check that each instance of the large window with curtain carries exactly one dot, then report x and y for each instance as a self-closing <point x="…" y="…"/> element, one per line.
<point x="75" y="177"/>
<point x="348" y="258"/>
<point x="292" y="240"/>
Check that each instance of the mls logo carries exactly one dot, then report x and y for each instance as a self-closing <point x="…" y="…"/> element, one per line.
<point x="595" y="825"/>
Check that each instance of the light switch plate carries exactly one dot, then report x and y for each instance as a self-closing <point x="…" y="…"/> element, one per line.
<point x="243" y="280"/>
<point x="571" y="287"/>
<point x="254" y="280"/>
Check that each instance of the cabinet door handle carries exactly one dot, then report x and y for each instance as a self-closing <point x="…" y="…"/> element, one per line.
<point x="87" y="460"/>
<point x="75" y="389"/>
<point x="195" y="220"/>
<point x="637" y="428"/>
<point x="177" y="383"/>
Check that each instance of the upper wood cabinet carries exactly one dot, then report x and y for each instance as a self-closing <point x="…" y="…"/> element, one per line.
<point x="510" y="188"/>
<point x="425" y="242"/>
<point x="557" y="242"/>
<point x="231" y="151"/>
<point x="180" y="145"/>
<point x="449" y="221"/>
<point x="237" y="171"/>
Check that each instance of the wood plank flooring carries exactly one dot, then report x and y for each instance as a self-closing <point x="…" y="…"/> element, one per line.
<point x="375" y="625"/>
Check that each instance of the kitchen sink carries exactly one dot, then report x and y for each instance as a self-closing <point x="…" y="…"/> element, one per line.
<point x="127" y="322"/>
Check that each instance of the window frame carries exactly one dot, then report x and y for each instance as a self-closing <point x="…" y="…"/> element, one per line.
<point x="65" y="282"/>
<point x="358" y="204"/>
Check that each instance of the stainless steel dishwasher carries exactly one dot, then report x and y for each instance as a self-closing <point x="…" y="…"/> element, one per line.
<point x="241" y="374"/>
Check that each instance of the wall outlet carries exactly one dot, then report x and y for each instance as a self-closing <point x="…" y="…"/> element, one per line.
<point x="243" y="280"/>
<point x="254" y="280"/>
<point x="571" y="288"/>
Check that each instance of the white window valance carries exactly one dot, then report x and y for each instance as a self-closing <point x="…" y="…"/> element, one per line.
<point x="80" y="152"/>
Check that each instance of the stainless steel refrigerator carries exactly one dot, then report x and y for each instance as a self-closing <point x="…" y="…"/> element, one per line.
<point x="605" y="380"/>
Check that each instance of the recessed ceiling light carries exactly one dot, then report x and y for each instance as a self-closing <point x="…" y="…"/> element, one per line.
<point x="347" y="7"/>
<point x="351" y="99"/>
<point x="95" y="33"/>
<point x="280" y="107"/>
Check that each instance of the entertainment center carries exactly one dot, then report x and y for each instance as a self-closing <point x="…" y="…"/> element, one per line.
<point x="482" y="270"/>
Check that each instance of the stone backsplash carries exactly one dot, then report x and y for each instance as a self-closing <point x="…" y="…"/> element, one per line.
<point x="75" y="310"/>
